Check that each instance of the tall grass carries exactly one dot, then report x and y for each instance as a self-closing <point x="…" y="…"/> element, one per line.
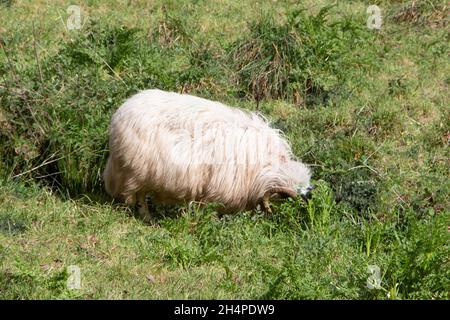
<point x="305" y="59"/>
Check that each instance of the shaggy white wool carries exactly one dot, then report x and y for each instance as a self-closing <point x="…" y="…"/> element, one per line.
<point x="178" y="147"/>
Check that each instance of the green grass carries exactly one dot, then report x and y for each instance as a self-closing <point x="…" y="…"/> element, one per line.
<point x="367" y="109"/>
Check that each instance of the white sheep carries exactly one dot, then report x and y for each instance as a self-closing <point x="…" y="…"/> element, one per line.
<point x="177" y="147"/>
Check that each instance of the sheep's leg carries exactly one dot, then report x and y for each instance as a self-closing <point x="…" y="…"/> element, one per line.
<point x="143" y="208"/>
<point x="266" y="204"/>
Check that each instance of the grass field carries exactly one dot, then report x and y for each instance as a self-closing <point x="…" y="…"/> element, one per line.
<point x="368" y="109"/>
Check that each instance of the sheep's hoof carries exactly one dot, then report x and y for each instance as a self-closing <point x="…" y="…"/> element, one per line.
<point x="148" y="219"/>
<point x="145" y="214"/>
<point x="266" y="206"/>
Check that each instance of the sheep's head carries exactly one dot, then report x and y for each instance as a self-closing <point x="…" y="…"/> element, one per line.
<point x="300" y="175"/>
<point x="297" y="177"/>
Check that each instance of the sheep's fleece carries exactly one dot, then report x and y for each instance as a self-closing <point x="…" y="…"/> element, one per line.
<point x="177" y="147"/>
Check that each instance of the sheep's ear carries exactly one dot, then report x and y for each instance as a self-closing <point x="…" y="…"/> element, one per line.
<point x="283" y="191"/>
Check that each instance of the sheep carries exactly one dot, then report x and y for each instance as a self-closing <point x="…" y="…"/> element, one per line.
<point x="181" y="148"/>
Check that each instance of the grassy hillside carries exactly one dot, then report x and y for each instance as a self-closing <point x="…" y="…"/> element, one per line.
<point x="368" y="109"/>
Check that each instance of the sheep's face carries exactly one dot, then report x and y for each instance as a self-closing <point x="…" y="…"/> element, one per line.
<point x="299" y="177"/>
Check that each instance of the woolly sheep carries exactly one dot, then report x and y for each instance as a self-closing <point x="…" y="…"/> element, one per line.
<point x="178" y="147"/>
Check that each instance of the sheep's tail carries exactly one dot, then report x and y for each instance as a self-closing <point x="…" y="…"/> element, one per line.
<point x="117" y="184"/>
<point x="112" y="178"/>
